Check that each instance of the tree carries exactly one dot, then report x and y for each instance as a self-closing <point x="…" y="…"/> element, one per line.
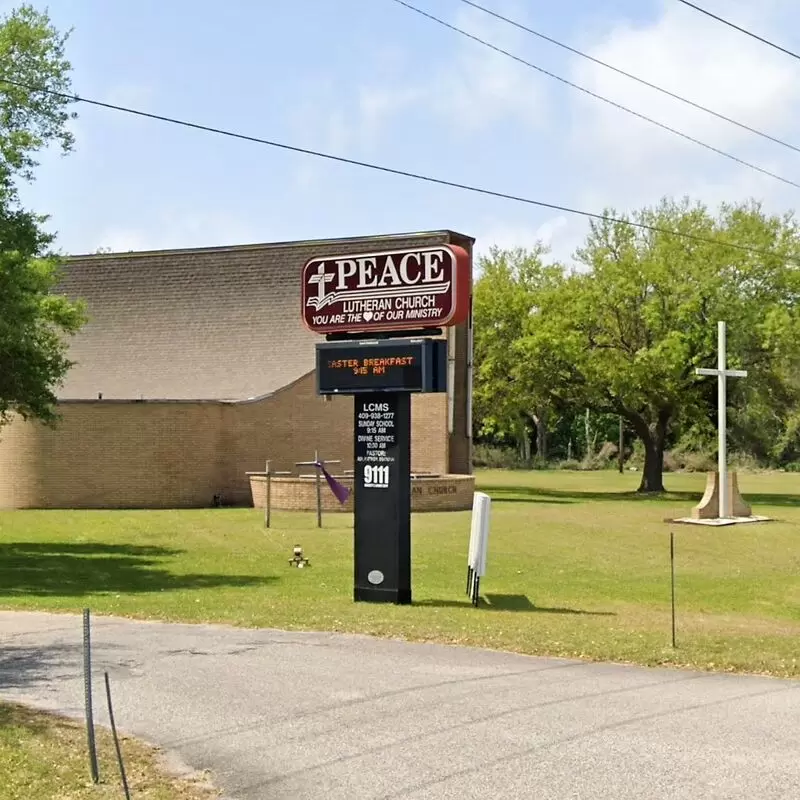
<point x="625" y="335"/>
<point x="33" y="320"/>
<point x="32" y="54"/>
<point x="503" y="298"/>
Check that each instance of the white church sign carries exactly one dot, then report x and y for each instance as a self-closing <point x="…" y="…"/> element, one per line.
<point x="426" y="287"/>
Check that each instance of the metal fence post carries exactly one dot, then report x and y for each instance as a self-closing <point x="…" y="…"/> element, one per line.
<point x="116" y="741"/>
<point x="87" y="685"/>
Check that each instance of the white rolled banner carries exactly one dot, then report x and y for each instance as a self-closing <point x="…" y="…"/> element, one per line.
<point x="479" y="532"/>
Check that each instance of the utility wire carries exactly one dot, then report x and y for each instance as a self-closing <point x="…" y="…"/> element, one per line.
<point x="632" y="77"/>
<point x="741" y="30"/>
<point x="598" y="96"/>
<point x="400" y="172"/>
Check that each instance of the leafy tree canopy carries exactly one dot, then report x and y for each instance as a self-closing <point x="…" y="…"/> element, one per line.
<point x="503" y="299"/>
<point x="33" y="319"/>
<point x="624" y="333"/>
<point x="32" y="52"/>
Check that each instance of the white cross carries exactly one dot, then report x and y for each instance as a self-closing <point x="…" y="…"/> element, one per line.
<point x="321" y="278"/>
<point x="722" y="374"/>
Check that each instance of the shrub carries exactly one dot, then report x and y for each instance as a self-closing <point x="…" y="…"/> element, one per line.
<point x="671" y="463"/>
<point x="492" y="457"/>
<point x="679" y="460"/>
<point x="699" y="462"/>
<point x="602" y="460"/>
<point x="744" y="462"/>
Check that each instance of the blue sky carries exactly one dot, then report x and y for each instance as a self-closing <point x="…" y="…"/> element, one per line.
<point x="370" y="80"/>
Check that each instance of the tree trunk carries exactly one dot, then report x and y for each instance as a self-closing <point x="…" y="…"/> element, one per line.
<point x="525" y="445"/>
<point x="653" y="472"/>
<point x="588" y="431"/>
<point x="653" y="438"/>
<point x="540" y="418"/>
<point x="541" y="441"/>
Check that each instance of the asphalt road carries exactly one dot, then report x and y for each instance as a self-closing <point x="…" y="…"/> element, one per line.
<point x="292" y="715"/>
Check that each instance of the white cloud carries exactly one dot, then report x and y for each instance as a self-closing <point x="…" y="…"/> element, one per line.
<point x="482" y="86"/>
<point x="376" y="106"/>
<point x="305" y="177"/>
<point x="120" y="240"/>
<point x="508" y="235"/>
<point x="561" y="235"/>
<point x="174" y="229"/>
<point x="629" y="162"/>
<point x="476" y="86"/>
<point x="551" y="232"/>
<point x="131" y="95"/>
<point x="336" y="132"/>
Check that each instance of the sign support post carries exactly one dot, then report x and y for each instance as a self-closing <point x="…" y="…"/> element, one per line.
<point x="379" y="312"/>
<point x="382" y="498"/>
<point x="382" y="375"/>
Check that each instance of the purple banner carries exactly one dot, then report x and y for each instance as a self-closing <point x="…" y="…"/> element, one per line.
<point x="341" y="492"/>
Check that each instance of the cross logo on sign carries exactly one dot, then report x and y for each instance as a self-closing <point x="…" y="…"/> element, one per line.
<point x="376" y="477"/>
<point x="320" y="278"/>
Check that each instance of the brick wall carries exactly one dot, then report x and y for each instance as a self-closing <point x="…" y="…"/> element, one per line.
<point x="291" y="495"/>
<point x="285" y="428"/>
<point x="294" y="422"/>
<point x="114" y="455"/>
<point x="451" y="494"/>
<point x="110" y="454"/>
<point x="20" y="465"/>
<point x="454" y="493"/>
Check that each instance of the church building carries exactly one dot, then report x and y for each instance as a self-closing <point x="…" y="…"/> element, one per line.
<point x="194" y="369"/>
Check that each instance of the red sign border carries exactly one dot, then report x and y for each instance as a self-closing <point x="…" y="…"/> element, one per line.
<point x="460" y="292"/>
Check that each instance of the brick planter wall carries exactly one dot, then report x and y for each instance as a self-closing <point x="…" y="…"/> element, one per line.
<point x="440" y="493"/>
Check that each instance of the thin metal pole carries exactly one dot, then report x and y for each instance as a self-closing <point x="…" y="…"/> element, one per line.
<point x="319" y="490"/>
<point x="672" y="581"/>
<point x="116" y="740"/>
<point x="87" y="685"/>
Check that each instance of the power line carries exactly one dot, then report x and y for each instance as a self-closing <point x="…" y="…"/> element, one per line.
<point x="400" y="172"/>
<point x="741" y="30"/>
<point x="632" y="77"/>
<point x="598" y="96"/>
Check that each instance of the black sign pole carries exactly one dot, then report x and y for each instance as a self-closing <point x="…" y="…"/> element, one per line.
<point x="382" y="376"/>
<point x="382" y="497"/>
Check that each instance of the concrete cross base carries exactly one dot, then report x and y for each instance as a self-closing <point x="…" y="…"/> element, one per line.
<point x="708" y="507"/>
<point x="707" y="511"/>
<point x="717" y="523"/>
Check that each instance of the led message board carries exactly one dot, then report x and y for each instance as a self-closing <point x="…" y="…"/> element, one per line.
<point x="398" y="365"/>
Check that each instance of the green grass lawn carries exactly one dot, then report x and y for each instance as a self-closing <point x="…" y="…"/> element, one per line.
<point x="578" y="566"/>
<point x="43" y="757"/>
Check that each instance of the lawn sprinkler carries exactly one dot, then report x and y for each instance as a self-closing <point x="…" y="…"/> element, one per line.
<point x="298" y="559"/>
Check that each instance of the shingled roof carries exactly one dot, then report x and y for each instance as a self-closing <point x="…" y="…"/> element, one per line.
<point x="217" y="323"/>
